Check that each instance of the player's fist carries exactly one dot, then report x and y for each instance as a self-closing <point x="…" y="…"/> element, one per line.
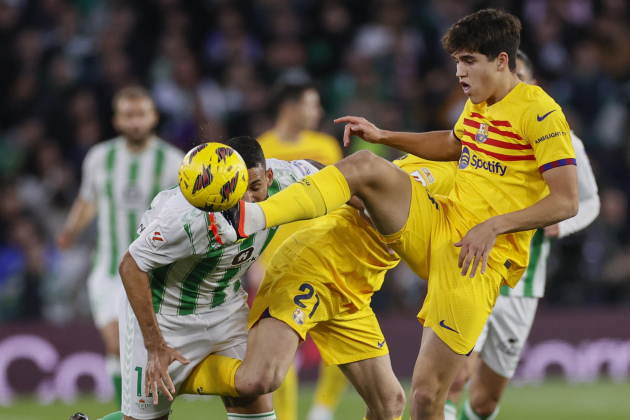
<point x="360" y="127"/>
<point x="65" y="240"/>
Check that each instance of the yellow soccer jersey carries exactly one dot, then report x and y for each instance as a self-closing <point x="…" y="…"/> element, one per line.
<point x="311" y="145"/>
<point x="350" y="252"/>
<point x="505" y="149"/>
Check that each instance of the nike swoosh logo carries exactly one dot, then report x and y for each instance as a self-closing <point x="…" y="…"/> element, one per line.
<point x="544" y="116"/>
<point x="443" y="325"/>
<point x="380" y="345"/>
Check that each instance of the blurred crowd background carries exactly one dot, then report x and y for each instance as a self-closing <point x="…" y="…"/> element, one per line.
<point x="210" y="66"/>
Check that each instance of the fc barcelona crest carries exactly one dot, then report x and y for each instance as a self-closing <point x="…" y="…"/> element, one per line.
<point x="482" y="133"/>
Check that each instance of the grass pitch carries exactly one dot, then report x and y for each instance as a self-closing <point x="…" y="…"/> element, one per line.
<point x="553" y="400"/>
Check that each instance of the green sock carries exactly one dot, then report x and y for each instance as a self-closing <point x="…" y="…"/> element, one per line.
<point x="118" y="415"/>
<point x="468" y="413"/>
<point x="117" y="379"/>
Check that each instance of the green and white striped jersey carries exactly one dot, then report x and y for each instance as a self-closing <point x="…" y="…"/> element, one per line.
<point x="122" y="184"/>
<point x="190" y="272"/>
<point x="532" y="284"/>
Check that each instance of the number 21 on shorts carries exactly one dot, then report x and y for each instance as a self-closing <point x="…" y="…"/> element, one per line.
<point x="298" y="315"/>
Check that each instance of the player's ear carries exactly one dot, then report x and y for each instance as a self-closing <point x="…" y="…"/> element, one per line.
<point x="269" y="175"/>
<point x="503" y="61"/>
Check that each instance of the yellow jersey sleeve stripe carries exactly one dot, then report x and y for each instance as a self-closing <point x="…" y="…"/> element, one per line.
<point x="557" y="163"/>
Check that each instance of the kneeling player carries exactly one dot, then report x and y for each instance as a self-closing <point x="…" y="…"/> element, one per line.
<point x="320" y="281"/>
<point x="185" y="299"/>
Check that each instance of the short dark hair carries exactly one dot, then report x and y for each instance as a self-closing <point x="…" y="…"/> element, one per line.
<point x="525" y="59"/>
<point x="287" y="92"/>
<point x="249" y="149"/>
<point x="489" y="32"/>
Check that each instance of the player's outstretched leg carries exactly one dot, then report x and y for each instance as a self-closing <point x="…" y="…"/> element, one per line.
<point x="375" y="381"/>
<point x="271" y="347"/>
<point x="384" y="188"/>
<point x="436" y="368"/>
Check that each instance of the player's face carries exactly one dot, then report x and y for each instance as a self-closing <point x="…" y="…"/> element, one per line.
<point x="477" y="76"/>
<point x="524" y="74"/>
<point x="259" y="182"/>
<point x="135" y="118"/>
<point x="310" y="109"/>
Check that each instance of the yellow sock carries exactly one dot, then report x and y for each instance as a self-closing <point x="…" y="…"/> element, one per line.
<point x="331" y="384"/>
<point x="311" y="197"/>
<point x="213" y="376"/>
<point x="285" y="398"/>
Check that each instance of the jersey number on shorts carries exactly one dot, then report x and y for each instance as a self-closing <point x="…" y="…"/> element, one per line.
<point x="139" y="392"/>
<point x="306" y="296"/>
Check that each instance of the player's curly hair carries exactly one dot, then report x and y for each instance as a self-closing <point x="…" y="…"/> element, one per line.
<point x="489" y="32"/>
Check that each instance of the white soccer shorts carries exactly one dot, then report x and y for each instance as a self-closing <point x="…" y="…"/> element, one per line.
<point x="105" y="292"/>
<point x="222" y="330"/>
<point x="505" y="333"/>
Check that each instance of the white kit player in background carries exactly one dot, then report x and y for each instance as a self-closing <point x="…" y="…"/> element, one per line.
<point x="120" y="178"/>
<point x="185" y="299"/>
<point x="508" y="326"/>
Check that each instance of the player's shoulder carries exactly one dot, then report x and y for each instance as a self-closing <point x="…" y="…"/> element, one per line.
<point x="534" y="101"/>
<point x="101" y="150"/>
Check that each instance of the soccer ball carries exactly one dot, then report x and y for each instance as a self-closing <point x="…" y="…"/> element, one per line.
<point x="213" y="177"/>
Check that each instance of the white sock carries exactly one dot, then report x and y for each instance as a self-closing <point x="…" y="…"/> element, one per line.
<point x="320" y="412"/>
<point x="271" y="415"/>
<point x="255" y="219"/>
<point x="450" y="411"/>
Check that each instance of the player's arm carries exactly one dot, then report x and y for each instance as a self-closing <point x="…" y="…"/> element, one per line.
<point x="433" y="145"/>
<point x="561" y="203"/>
<point x="145" y="253"/>
<point x="84" y="208"/>
<point x="81" y="216"/>
<point x="160" y="355"/>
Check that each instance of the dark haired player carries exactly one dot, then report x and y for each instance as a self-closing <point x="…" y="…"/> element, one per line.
<point x="498" y="349"/>
<point x="184" y="295"/>
<point x="516" y="174"/>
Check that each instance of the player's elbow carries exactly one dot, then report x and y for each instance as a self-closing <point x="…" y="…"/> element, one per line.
<point x="571" y="205"/>
<point x="127" y="264"/>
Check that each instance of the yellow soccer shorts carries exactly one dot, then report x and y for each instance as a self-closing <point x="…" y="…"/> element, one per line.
<point x="456" y="307"/>
<point x="303" y="297"/>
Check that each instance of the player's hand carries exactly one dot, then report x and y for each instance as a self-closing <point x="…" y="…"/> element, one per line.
<point x="360" y="127"/>
<point x="552" y="231"/>
<point x="157" y="377"/>
<point x="476" y="246"/>
<point x="65" y="240"/>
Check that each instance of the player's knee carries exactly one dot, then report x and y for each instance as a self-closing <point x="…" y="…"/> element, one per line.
<point x="391" y="405"/>
<point x="423" y="398"/>
<point x="483" y="405"/>
<point x="264" y="384"/>
<point x="362" y="165"/>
